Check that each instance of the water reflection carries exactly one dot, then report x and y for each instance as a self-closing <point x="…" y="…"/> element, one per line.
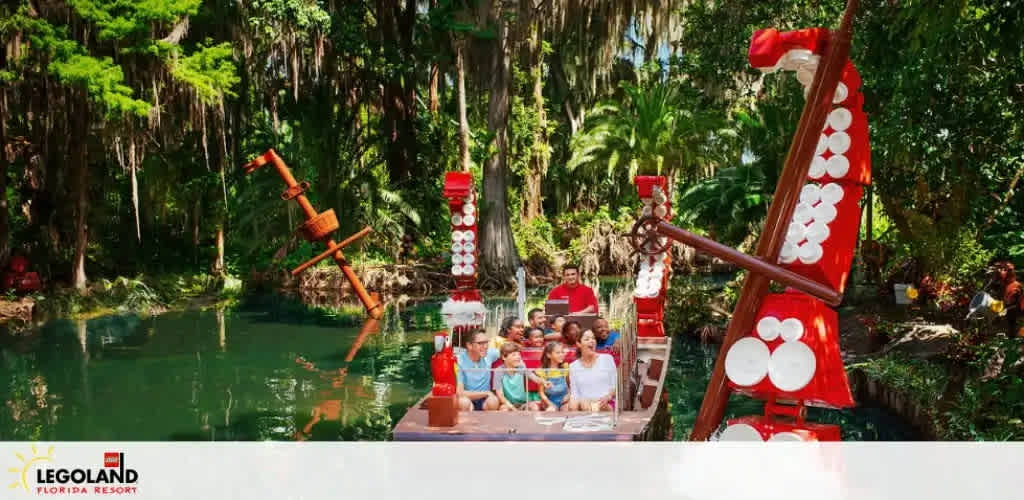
<point x="213" y="375"/>
<point x="327" y="417"/>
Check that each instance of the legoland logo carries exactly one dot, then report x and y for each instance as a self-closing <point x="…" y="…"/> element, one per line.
<point x="34" y="476"/>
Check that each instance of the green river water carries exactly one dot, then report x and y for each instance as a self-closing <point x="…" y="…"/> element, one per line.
<point x="258" y="371"/>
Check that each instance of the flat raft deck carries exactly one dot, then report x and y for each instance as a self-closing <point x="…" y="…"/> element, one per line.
<point x="648" y="421"/>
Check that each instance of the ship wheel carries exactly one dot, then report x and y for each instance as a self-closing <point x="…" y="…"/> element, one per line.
<point x="645" y="238"/>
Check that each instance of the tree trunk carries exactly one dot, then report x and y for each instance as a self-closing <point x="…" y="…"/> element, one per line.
<point x="218" y="264"/>
<point x="80" y="160"/>
<point x="498" y="249"/>
<point x="463" y="121"/>
<point x="540" y="154"/>
<point x="195" y="223"/>
<point x="573" y="114"/>
<point x="399" y="94"/>
<point x="5" y="247"/>
<point x="435" y="99"/>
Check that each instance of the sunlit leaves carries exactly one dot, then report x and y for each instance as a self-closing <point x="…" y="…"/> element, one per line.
<point x="210" y="71"/>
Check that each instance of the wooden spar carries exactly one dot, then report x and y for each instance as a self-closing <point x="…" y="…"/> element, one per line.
<point x="773" y="272"/>
<point x="294" y="190"/>
<point x="787" y="193"/>
<point x="334" y="248"/>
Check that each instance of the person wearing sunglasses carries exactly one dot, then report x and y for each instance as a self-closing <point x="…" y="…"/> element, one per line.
<point x="474" y="374"/>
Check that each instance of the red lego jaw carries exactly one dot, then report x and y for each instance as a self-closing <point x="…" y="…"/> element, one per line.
<point x="768" y="46"/>
<point x="765" y="48"/>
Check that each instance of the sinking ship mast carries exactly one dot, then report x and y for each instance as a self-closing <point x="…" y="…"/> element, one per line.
<point x="318" y="227"/>
<point x="783" y="348"/>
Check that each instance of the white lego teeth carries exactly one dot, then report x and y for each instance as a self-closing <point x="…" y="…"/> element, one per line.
<point x="839" y="143"/>
<point x="837" y="166"/>
<point x="840" y="119"/>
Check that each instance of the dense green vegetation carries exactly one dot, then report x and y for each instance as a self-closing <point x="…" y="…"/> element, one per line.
<point x="124" y="124"/>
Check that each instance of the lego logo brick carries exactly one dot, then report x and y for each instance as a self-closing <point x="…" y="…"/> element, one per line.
<point x="111" y="459"/>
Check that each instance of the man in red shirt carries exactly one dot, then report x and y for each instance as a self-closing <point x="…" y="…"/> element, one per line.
<point x="581" y="297"/>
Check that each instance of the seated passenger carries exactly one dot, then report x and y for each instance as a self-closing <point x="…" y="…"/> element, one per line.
<point x="510" y="380"/>
<point x="474" y="375"/>
<point x="571" y="334"/>
<point x="511" y="330"/>
<point x="606" y="338"/>
<point x="554" y="332"/>
<point x="536" y="318"/>
<point x="534" y="337"/>
<point x="592" y="378"/>
<point x="554" y="392"/>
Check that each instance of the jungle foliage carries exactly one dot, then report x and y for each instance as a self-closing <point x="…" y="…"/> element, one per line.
<point x="124" y="124"/>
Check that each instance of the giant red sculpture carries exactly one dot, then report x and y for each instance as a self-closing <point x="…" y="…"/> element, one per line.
<point x="784" y="348"/>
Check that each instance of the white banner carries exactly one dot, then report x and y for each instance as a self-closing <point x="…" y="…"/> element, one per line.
<point x="452" y="471"/>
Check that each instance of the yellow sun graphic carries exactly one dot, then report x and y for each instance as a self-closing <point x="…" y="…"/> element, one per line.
<point x="27" y="464"/>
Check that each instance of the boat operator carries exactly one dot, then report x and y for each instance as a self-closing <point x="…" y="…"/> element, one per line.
<point x="581" y="297"/>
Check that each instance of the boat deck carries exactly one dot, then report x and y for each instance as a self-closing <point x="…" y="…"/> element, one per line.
<point x="517" y="426"/>
<point x="649" y="421"/>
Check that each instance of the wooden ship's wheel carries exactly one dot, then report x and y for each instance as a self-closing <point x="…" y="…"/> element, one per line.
<point x="645" y="237"/>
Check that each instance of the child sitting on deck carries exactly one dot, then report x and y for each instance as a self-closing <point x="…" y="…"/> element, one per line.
<point x="510" y="380"/>
<point x="554" y="392"/>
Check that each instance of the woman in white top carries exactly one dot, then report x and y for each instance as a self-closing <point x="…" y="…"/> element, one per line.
<point x="592" y="378"/>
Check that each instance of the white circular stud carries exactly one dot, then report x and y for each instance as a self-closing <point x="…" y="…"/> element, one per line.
<point x="468" y="247"/>
<point x="468" y="259"/>
<point x="810" y="253"/>
<point x="825" y="213"/>
<point x="740" y="432"/>
<point x="837" y="166"/>
<point x="803" y="213"/>
<point x="831" y="193"/>
<point x="817" y="232"/>
<point x="841" y="93"/>
<point x="818" y="168"/>
<point x="457" y="247"/>
<point x="792" y="366"/>
<point x="787" y="255"/>
<point x="468" y="209"/>
<point x="822" y="145"/>
<point x="768" y="328"/>
<point x="457" y="220"/>
<point x="791" y="329"/>
<point x="796" y="233"/>
<point x="468" y="220"/>
<point x="456" y="270"/>
<point x="839" y="142"/>
<point x="840" y="119"/>
<point x="457" y="259"/>
<point x="810" y="193"/>
<point x="747" y="361"/>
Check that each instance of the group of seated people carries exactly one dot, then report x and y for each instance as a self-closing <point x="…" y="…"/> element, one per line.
<point x="576" y="370"/>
